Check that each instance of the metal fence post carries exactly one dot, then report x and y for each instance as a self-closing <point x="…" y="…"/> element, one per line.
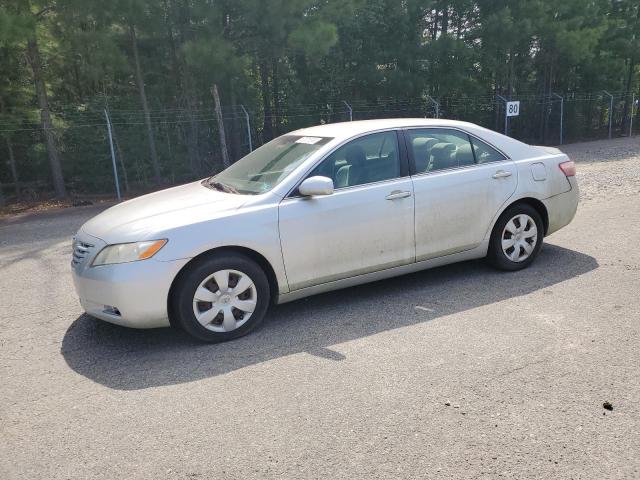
<point x="506" y="117"/>
<point x="561" y="116"/>
<point x="113" y="154"/>
<point x="246" y="116"/>
<point x="610" y="111"/>
<point x="350" y="110"/>
<point x="435" y="104"/>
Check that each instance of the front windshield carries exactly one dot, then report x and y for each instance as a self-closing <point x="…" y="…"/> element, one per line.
<point x="267" y="166"/>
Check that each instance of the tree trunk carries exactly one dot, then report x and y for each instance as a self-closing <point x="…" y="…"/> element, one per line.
<point x="167" y="136"/>
<point x="496" y="89"/>
<point x="193" y="150"/>
<point x="175" y="63"/>
<point x="445" y="20"/>
<point x="236" y="147"/>
<point x="33" y="56"/>
<point x="12" y="158"/>
<point x="511" y="74"/>
<point x="275" y="80"/>
<point x="12" y="166"/>
<point x="628" y="108"/>
<point x="180" y="12"/>
<point x="543" y="106"/>
<point x="145" y="107"/>
<point x="223" y="137"/>
<point x="434" y="24"/>
<point x="267" y="128"/>
<point x="193" y="131"/>
<point x="76" y="78"/>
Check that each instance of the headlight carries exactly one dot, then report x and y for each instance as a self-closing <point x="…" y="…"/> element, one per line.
<point x="128" y="252"/>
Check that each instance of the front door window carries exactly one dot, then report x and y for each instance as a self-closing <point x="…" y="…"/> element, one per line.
<point x="368" y="159"/>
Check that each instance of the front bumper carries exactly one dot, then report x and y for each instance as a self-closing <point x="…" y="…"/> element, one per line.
<point x="129" y="294"/>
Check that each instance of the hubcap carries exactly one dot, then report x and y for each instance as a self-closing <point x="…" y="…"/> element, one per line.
<point x="225" y="300"/>
<point x="519" y="238"/>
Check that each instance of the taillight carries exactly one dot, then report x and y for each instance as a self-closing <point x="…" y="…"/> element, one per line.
<point x="568" y="168"/>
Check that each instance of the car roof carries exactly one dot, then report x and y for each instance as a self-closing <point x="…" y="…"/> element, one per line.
<point x="343" y="131"/>
<point x="349" y="129"/>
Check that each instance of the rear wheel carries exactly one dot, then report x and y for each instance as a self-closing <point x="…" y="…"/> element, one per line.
<point x="221" y="297"/>
<point x="516" y="238"/>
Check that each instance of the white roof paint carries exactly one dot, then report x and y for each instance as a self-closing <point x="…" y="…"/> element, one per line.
<point x="345" y="130"/>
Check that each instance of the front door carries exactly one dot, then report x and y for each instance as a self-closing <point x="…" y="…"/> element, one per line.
<point x="364" y="226"/>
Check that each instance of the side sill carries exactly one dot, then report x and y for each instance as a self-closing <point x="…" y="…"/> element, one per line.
<point x="479" y="252"/>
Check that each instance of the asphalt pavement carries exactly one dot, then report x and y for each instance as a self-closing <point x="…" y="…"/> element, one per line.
<point x="457" y="372"/>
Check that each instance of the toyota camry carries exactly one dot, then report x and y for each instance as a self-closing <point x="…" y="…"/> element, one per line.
<point x="319" y="209"/>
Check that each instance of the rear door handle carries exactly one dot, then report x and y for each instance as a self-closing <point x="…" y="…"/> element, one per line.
<point x="502" y="174"/>
<point x="398" y="194"/>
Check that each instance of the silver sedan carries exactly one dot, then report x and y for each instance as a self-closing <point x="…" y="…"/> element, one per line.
<point x="315" y="210"/>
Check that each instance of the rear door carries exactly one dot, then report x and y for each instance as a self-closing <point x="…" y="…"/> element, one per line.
<point x="460" y="183"/>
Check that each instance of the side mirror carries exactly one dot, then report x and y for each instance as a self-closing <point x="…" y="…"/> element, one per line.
<point x="316" y="186"/>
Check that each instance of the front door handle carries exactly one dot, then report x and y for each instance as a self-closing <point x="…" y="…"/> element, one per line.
<point x="502" y="174"/>
<point x="398" y="194"/>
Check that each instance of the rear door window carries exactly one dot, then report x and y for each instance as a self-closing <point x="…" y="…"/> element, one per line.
<point x="484" y="153"/>
<point x="439" y="149"/>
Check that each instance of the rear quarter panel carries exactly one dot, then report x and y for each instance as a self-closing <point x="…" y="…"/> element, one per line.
<point x="540" y="176"/>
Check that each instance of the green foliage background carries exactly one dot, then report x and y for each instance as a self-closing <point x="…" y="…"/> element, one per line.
<point x="290" y="63"/>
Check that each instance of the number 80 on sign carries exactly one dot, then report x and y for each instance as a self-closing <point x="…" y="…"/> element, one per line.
<point x="513" y="109"/>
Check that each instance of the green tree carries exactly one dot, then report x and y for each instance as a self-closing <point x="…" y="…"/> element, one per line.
<point x="24" y="23"/>
<point x="152" y="63"/>
<point x="623" y="39"/>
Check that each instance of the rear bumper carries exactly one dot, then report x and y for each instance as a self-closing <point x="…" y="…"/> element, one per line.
<point x="128" y="294"/>
<point x="562" y="208"/>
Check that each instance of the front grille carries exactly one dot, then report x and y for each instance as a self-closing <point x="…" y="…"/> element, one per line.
<point x="80" y="251"/>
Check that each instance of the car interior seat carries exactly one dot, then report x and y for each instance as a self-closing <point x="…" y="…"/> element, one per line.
<point x="422" y="151"/>
<point x="442" y="156"/>
<point x="384" y="168"/>
<point x="464" y="155"/>
<point x="354" y="172"/>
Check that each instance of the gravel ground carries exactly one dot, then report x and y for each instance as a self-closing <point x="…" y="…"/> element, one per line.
<point x="607" y="168"/>
<point x="457" y="372"/>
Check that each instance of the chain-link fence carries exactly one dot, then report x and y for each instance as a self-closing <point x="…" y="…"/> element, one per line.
<point x="185" y="144"/>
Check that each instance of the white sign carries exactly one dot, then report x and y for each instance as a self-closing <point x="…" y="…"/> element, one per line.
<point x="513" y="109"/>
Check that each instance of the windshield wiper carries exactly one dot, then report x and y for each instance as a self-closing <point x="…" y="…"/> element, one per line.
<point x="222" y="187"/>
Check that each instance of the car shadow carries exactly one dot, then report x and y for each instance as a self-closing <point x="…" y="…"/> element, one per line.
<point x="128" y="359"/>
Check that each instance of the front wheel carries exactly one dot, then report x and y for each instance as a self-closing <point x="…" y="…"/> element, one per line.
<point x="516" y="238"/>
<point x="221" y="297"/>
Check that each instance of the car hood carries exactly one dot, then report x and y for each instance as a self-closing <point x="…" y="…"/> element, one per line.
<point x="143" y="217"/>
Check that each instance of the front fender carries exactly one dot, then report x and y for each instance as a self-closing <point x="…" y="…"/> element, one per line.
<point x="254" y="228"/>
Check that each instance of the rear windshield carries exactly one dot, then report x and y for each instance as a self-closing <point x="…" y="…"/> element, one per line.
<point x="267" y="166"/>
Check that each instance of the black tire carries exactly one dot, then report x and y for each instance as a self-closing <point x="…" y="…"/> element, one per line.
<point x="190" y="279"/>
<point x="496" y="256"/>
